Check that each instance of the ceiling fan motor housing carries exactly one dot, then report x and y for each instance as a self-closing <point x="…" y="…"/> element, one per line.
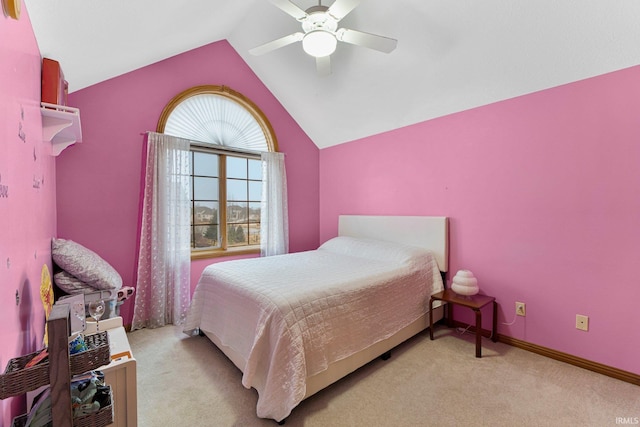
<point x="318" y="19"/>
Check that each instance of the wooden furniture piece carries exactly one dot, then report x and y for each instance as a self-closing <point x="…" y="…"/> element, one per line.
<point x="60" y="372"/>
<point x="121" y="373"/>
<point x="474" y="302"/>
<point x="57" y="372"/>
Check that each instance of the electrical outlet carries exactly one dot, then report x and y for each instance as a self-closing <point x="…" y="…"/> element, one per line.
<point x="520" y="309"/>
<point x="582" y="322"/>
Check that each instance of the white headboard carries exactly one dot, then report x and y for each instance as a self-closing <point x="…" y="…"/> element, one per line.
<point x="430" y="232"/>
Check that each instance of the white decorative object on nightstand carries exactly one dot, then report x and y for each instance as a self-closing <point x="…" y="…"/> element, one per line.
<point x="464" y="283"/>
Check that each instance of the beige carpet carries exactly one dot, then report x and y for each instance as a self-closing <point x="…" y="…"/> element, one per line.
<point x="185" y="381"/>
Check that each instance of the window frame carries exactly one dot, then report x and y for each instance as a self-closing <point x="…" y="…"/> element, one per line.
<point x="222" y="151"/>
<point x="224" y="249"/>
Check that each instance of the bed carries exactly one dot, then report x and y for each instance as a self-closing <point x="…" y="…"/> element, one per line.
<point x="296" y="323"/>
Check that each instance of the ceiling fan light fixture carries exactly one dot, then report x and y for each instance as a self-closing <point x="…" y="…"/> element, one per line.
<point x="319" y="43"/>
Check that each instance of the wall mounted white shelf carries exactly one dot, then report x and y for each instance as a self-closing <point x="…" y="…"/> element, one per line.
<point x="60" y="126"/>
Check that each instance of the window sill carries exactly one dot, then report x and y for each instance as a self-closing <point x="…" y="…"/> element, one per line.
<point x="218" y="253"/>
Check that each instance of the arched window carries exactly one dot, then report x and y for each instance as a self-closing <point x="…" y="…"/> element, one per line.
<point x="227" y="133"/>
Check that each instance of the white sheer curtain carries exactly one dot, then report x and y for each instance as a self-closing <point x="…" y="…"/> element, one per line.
<point x="163" y="286"/>
<point x="274" y="220"/>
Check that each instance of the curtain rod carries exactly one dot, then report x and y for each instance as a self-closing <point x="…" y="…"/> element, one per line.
<point x="208" y="145"/>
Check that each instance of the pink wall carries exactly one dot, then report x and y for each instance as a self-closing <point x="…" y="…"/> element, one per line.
<point x="98" y="180"/>
<point x="27" y="199"/>
<point x="543" y="192"/>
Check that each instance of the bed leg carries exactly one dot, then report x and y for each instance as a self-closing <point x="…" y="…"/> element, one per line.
<point x="200" y="333"/>
<point x="386" y="356"/>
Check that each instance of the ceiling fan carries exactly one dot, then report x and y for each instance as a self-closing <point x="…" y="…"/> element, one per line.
<point x="321" y="34"/>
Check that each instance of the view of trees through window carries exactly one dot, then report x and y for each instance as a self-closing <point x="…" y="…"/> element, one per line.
<point x="225" y="187"/>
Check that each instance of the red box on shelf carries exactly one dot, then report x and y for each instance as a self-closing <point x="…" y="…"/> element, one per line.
<point x="54" y="86"/>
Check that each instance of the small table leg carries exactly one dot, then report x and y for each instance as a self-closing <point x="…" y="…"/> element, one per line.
<point x="431" y="318"/>
<point x="478" y="333"/>
<point x="494" y="333"/>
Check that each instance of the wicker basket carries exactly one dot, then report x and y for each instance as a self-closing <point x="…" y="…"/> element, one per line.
<point x="98" y="354"/>
<point x="18" y="380"/>
<point x="103" y="417"/>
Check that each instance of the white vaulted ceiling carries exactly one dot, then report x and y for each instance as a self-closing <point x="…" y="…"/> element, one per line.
<point x="452" y="55"/>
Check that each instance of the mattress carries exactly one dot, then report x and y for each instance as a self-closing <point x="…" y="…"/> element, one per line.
<point x="290" y="316"/>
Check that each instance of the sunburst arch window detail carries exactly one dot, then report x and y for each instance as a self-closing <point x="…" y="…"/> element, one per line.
<point x="220" y="116"/>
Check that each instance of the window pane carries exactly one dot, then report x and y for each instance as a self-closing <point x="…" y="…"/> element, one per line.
<point x="205" y="188"/>
<point x="254" y="212"/>
<point x="206" y="236"/>
<point x="237" y="234"/>
<point x="255" y="169"/>
<point x="205" y="164"/>
<point x="237" y="212"/>
<point x="254" y="234"/>
<point x="255" y="191"/>
<point x="237" y="189"/>
<point x="205" y="213"/>
<point x="236" y="167"/>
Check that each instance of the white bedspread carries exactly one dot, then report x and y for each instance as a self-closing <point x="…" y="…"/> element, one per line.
<point x="290" y="316"/>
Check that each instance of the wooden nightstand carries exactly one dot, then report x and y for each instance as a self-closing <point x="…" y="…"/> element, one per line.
<point x="474" y="302"/>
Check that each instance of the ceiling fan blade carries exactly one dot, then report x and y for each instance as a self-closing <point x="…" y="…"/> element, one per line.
<point x="372" y="41"/>
<point x="276" y="44"/>
<point x="340" y="8"/>
<point x="323" y="65"/>
<point x="287" y="7"/>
